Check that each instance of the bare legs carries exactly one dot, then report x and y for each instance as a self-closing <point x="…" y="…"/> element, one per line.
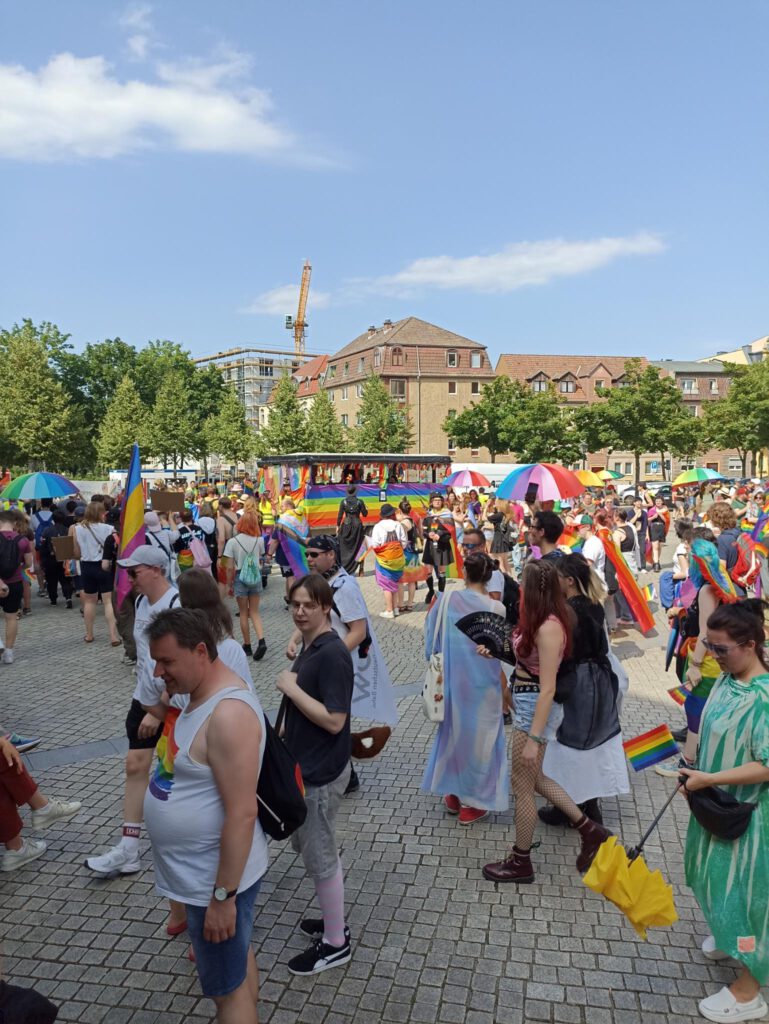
<point x="248" y="612"/>
<point x="89" y="615"/>
<point x="239" y="1007"/>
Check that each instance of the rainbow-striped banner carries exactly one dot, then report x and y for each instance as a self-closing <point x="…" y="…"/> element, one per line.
<point x="321" y="501"/>
<point x="627" y="582"/>
<point x="132" y="532"/>
<point x="650" y="748"/>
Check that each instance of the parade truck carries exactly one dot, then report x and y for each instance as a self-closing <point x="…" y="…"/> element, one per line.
<point x="319" y="481"/>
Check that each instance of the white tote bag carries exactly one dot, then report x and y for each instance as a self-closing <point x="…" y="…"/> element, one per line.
<point x="432" y="688"/>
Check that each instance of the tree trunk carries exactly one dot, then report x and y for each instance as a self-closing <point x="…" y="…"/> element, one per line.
<point x="492" y="455"/>
<point x="743" y="460"/>
<point x="662" y="464"/>
<point x="637" y="456"/>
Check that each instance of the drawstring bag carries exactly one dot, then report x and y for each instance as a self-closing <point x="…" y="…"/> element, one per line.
<point x="250" y="572"/>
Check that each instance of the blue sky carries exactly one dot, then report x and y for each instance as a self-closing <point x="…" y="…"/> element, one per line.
<point x="541" y="176"/>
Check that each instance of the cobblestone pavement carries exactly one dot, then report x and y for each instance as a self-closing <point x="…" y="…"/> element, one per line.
<point x="433" y="941"/>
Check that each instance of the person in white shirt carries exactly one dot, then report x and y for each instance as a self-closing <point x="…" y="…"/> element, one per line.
<point x="89" y="539"/>
<point x="388" y="540"/>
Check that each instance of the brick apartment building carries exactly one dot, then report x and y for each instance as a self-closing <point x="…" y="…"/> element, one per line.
<point x="430" y="371"/>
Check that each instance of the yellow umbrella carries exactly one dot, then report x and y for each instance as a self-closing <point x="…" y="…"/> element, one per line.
<point x="643" y="896"/>
<point x="588" y="478"/>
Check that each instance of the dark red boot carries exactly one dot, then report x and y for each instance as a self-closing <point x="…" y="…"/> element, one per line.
<point x="591" y="835"/>
<point x="516" y="868"/>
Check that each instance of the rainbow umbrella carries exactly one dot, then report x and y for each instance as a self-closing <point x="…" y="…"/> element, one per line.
<point x="552" y="482"/>
<point x="466" y="478"/>
<point x="696" y="476"/>
<point x="33" y="486"/>
<point x="588" y="478"/>
<point x="609" y="474"/>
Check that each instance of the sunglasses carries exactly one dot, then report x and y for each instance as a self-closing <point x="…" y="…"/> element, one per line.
<point x="317" y="554"/>
<point x="470" y="547"/>
<point x="720" y="650"/>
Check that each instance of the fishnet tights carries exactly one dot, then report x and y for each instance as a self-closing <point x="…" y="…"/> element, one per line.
<point x="528" y="779"/>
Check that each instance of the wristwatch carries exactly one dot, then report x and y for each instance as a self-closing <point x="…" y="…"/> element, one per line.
<point x="221" y="895"/>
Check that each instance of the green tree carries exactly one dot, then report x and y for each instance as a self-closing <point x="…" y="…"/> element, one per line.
<point x="595" y="430"/>
<point x="540" y="429"/>
<point x="155" y="362"/>
<point x="686" y="436"/>
<point x="93" y="376"/>
<point x="124" y="422"/>
<point x="324" y="431"/>
<point x="384" y="425"/>
<point x="226" y="431"/>
<point x="485" y="423"/>
<point x="38" y="424"/>
<point x="286" y="430"/>
<point x="171" y="434"/>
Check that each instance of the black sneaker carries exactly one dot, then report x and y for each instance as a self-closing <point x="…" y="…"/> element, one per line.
<point x="679" y="735"/>
<point x="247" y="650"/>
<point x="354" y="784"/>
<point x="313" y="926"/>
<point x="320" y="957"/>
<point x="261" y="650"/>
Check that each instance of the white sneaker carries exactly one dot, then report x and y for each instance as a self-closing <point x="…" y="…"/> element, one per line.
<point x="55" y="810"/>
<point x="31" y="849"/>
<point x="711" y="952"/>
<point x="117" y="861"/>
<point x="8" y="656"/>
<point x="386" y="615"/>
<point x="724" y="1007"/>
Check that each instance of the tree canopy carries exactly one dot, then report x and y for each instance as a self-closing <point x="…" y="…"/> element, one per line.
<point x="384" y="425"/>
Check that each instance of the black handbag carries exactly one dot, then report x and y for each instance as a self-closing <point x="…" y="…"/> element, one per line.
<point x="590" y="716"/>
<point x="719" y="812"/>
<point x="280" y="789"/>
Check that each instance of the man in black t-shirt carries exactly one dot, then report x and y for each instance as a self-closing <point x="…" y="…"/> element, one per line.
<point x="318" y="689"/>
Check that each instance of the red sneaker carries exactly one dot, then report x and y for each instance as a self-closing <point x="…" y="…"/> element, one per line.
<point x="452" y="804"/>
<point x="468" y="815"/>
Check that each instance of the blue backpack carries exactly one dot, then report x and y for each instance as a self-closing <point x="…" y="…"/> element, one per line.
<point x="42" y="526"/>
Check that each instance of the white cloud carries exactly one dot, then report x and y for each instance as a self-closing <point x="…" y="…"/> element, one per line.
<point x="136" y="20"/>
<point x="75" y="107"/>
<point x="516" y="266"/>
<point x="284" y="299"/>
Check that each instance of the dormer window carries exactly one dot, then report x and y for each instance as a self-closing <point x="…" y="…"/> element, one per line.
<point x="397" y="357"/>
<point x="476" y="360"/>
<point x="377" y="357"/>
<point x="361" y="364"/>
<point x="539" y="384"/>
<point x="567" y="387"/>
<point x="452" y="359"/>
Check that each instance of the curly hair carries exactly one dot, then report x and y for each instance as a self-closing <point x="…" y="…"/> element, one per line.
<point x="722" y="516"/>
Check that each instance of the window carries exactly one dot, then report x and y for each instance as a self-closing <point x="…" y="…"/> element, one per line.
<point x="688" y="384"/>
<point x="344" y="418"/>
<point x="266" y="367"/>
<point x="332" y="395"/>
<point x="361" y="364"/>
<point x="345" y="391"/>
<point x="397" y="357"/>
<point x="735" y="464"/>
<point x="452" y="387"/>
<point x="398" y="388"/>
<point x="628" y="468"/>
<point x="617" y="467"/>
<point x="567" y="387"/>
<point x="359" y="391"/>
<point x="474" y="453"/>
<point x="451" y="414"/>
<point x="452" y="359"/>
<point x="600" y="383"/>
<point x="452" y="445"/>
<point x="476" y="360"/>
<point x="685" y="464"/>
<point x="332" y="371"/>
<point x="346" y="369"/>
<point x="359" y="420"/>
<point x="714" y="387"/>
<point x="475" y="387"/>
<point x="540" y="384"/>
<point x="377" y="357"/>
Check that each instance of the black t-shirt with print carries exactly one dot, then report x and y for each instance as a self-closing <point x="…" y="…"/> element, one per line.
<point x="325" y="672"/>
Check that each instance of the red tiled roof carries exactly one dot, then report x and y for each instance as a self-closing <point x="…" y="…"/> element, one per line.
<point x="586" y="370"/>
<point x="409" y="331"/>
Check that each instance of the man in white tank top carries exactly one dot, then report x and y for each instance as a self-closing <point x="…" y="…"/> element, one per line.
<point x="201" y="810"/>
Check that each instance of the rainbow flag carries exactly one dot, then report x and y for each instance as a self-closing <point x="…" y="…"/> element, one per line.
<point x="456" y="570"/>
<point x="679" y="694"/>
<point x="321" y="501"/>
<point x="760" y="534"/>
<point x="627" y="582"/>
<point x="248" y="486"/>
<point x="132" y="532"/>
<point x="571" y="539"/>
<point x="649" y="592"/>
<point x="292" y="536"/>
<point x="390" y="563"/>
<point x="650" y="748"/>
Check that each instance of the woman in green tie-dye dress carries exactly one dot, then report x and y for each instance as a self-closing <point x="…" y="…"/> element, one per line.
<point x="730" y="878"/>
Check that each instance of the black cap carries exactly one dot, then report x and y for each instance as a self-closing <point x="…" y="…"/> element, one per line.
<point x="386" y="510"/>
<point x="323" y="542"/>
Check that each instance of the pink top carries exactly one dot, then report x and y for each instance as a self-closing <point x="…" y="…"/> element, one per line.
<point x="531" y="661"/>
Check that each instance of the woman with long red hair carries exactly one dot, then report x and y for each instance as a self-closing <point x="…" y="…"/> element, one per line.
<point x="541" y="640"/>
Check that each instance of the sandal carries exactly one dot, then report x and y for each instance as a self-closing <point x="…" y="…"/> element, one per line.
<point x="116" y="643"/>
<point x="176" y="929"/>
<point x="88" y="639"/>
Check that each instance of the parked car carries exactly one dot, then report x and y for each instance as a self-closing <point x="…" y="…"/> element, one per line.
<point x="629" y="494"/>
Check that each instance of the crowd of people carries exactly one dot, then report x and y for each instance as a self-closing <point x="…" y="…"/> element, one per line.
<point x="541" y="573"/>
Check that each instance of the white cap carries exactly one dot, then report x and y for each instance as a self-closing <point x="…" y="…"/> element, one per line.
<point x="145" y="554"/>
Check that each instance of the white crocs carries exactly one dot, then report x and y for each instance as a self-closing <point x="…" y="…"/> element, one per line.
<point x="711" y="951"/>
<point x="724" y="1007"/>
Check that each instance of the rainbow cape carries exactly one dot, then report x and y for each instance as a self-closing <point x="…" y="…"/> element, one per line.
<point x="132" y="532"/>
<point x="292" y="537"/>
<point x="390" y="563"/>
<point x="712" y="570"/>
<point x="650" y="748"/>
<point x="627" y="582"/>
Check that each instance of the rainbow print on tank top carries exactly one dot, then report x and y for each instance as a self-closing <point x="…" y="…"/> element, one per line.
<point x="162" y="781"/>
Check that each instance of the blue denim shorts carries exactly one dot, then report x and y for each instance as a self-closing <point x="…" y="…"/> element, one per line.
<point x="525" y="706"/>
<point x="222" y="965"/>
<point x="241" y="590"/>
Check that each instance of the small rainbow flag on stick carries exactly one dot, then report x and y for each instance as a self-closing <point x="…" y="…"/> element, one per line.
<point x="679" y="694"/>
<point x="649" y="592"/>
<point x="650" y="748"/>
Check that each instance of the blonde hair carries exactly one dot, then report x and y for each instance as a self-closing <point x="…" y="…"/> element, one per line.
<point x="94" y="511"/>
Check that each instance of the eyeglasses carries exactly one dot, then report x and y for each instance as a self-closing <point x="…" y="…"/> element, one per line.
<point x="721" y="650"/>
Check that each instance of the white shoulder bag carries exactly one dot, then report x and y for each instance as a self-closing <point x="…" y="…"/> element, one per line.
<point x="432" y="688"/>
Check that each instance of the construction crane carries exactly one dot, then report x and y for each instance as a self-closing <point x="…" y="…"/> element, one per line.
<point x="298" y="324"/>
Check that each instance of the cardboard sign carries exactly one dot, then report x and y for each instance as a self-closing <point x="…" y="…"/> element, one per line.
<point x="64" y="548"/>
<point x="167" y="501"/>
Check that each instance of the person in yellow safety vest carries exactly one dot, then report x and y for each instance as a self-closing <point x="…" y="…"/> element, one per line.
<point x="266" y="514"/>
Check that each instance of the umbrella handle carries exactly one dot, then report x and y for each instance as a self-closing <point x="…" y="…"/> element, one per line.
<point x="635" y="851"/>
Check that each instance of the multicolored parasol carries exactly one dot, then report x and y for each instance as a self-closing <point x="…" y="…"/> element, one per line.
<point x="552" y="482"/>
<point x="466" y="478"/>
<point x="588" y="478"/>
<point x="696" y="476"/>
<point x="610" y="474"/>
<point x="33" y="486"/>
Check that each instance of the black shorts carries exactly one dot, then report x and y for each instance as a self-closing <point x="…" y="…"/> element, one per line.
<point x="12" y="602"/>
<point x="132" y="722"/>
<point x="94" y="579"/>
<point x="656" y="531"/>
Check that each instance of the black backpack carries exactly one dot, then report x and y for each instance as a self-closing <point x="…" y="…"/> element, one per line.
<point x="511" y="599"/>
<point x="280" y="789"/>
<point x="10" y="556"/>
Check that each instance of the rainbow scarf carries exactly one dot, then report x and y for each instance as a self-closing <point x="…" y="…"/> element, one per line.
<point x="132" y="531"/>
<point x="627" y="582"/>
<point x="292" y="535"/>
<point x="390" y="564"/>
